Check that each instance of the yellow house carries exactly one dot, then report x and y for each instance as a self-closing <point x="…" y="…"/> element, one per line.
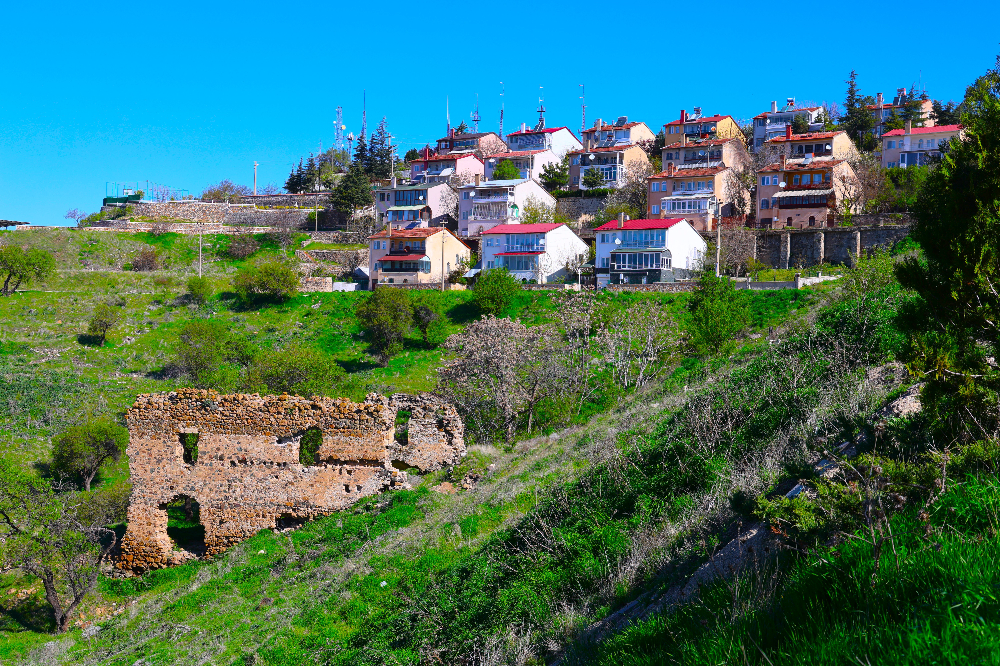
<point x="697" y="126"/>
<point x="422" y="255"/>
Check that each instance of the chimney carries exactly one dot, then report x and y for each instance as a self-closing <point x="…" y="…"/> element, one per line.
<point x="479" y="178"/>
<point x="684" y="117"/>
<point x="392" y="182"/>
<point x="670" y="169"/>
<point x="774" y="106"/>
<point x="451" y="132"/>
<point x="524" y="127"/>
<point x="879" y="99"/>
<point x="683" y="138"/>
<point x="598" y="124"/>
<point x="788" y="132"/>
<point x="621" y="220"/>
<point x="909" y="126"/>
<point x="781" y="160"/>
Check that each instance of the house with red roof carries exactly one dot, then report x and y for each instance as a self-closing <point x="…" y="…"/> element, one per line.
<point x="484" y="204"/>
<point x="621" y="132"/>
<point x="914" y="146"/>
<point x="883" y="112"/>
<point x="647" y="251"/>
<point x="817" y="144"/>
<point x="560" y="140"/>
<point x="696" y="125"/>
<point x="529" y="162"/>
<point x="401" y="256"/>
<point x="611" y="161"/>
<point x="481" y="143"/>
<point x="806" y="192"/>
<point x="773" y="123"/>
<point x="434" y="168"/>
<point x="539" y="252"/>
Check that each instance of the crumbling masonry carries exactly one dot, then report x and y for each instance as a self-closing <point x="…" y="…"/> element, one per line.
<point x="247" y="475"/>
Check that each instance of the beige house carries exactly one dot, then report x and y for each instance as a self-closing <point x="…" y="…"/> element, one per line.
<point x="697" y="126"/>
<point x="482" y="143"/>
<point x="807" y="192"/>
<point x="882" y="112"/>
<point x="818" y="144"/>
<point x="611" y="161"/>
<point x="913" y="146"/>
<point x="621" y="133"/>
<point x="426" y="255"/>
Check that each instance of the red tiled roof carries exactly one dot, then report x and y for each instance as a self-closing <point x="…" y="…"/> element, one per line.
<point x="606" y="149"/>
<point x="665" y="223"/>
<point x="470" y="135"/>
<point x="402" y="257"/>
<point x="815" y="165"/>
<point x="925" y="130"/>
<point x="885" y="106"/>
<point x="767" y="113"/>
<point x="419" y="232"/>
<point x="518" y="153"/>
<point x="446" y="156"/>
<point x="688" y="173"/>
<point x="703" y="119"/>
<point x="604" y="128"/>
<point x="808" y="136"/>
<point x="523" y="228"/>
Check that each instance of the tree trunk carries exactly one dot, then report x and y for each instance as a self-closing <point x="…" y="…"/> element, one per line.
<point x="87" y="479"/>
<point x="6" y="283"/>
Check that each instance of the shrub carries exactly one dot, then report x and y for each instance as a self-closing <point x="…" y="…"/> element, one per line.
<point x="273" y="279"/>
<point x="200" y="288"/>
<point x="495" y="291"/>
<point x="146" y="260"/>
<point x="297" y="370"/>
<point x="82" y="449"/>
<point x="718" y="314"/>
<point x="242" y="246"/>
<point x="19" y="266"/>
<point x="210" y="355"/>
<point x="385" y="315"/>
<point x="104" y="319"/>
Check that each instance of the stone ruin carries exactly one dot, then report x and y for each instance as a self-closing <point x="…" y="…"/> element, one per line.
<point x="246" y="474"/>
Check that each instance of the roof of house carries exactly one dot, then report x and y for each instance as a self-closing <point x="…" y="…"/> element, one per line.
<point x="800" y="165"/>
<point x="688" y="173"/>
<point x="447" y="156"/>
<point x="402" y="257"/>
<point x="466" y="135"/>
<point x="808" y="136"/>
<point x="605" y="149"/>
<point x="524" y="228"/>
<point x="925" y="130"/>
<point x="703" y="119"/>
<point x="605" y="127"/>
<point x="768" y="113"/>
<point x="520" y="153"/>
<point x="419" y="232"/>
<point x="547" y="130"/>
<point x="496" y="183"/>
<point x="664" y="223"/>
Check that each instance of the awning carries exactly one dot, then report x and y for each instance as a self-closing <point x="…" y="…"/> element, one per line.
<point x="688" y="197"/>
<point x="472" y="272"/>
<point x="800" y="193"/>
<point x="511" y="254"/>
<point x="402" y="257"/>
<point x="407" y="207"/>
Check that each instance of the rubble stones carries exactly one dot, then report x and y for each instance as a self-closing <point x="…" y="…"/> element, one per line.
<point x="247" y="475"/>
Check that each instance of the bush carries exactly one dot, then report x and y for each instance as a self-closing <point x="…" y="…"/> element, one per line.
<point x="718" y="314"/>
<point x="104" y="319"/>
<point x="429" y="318"/>
<point x="146" y="260"/>
<point x="297" y="370"/>
<point x="242" y="246"/>
<point x="82" y="449"/>
<point x="210" y="355"/>
<point x="495" y="290"/>
<point x="385" y="315"/>
<point x="200" y="288"/>
<point x="273" y="279"/>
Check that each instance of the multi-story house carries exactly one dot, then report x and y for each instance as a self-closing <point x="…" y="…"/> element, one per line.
<point x="697" y="126"/>
<point x="913" y="146"/>
<point x="621" y="133"/>
<point x="611" y="161"/>
<point x="433" y="168"/>
<point x="806" y="192"/>
<point x="538" y="252"/>
<point x="529" y="162"/>
<point x="560" y="140"/>
<point x="483" y="143"/>
<point x="776" y="123"/>
<point x="421" y="205"/>
<point x="696" y="182"/>
<point x="882" y="112"/>
<point x="646" y="251"/>
<point x="483" y="205"/>
<point x="413" y="256"/>
<point x="818" y="144"/>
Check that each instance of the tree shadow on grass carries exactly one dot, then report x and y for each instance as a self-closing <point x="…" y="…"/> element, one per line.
<point x="359" y="364"/>
<point x="89" y="340"/>
<point x="463" y="313"/>
<point x="31" y="614"/>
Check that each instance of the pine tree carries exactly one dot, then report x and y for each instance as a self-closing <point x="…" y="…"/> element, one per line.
<point x="353" y="191"/>
<point x="311" y="173"/>
<point x="361" y="158"/>
<point x="462" y="128"/>
<point x="380" y="152"/>
<point x="911" y="110"/>
<point x="945" y="114"/>
<point x="857" y="120"/>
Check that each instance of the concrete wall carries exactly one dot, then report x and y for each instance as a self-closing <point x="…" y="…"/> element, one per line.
<point x="212" y="213"/>
<point x="832" y="245"/>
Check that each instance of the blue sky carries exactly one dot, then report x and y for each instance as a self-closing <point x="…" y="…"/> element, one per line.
<point x="190" y="93"/>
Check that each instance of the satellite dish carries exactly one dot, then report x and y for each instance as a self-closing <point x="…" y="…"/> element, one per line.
<point x="828" y="146"/>
<point x="782" y="184"/>
<point x="591" y="156"/>
<point x="618" y="241"/>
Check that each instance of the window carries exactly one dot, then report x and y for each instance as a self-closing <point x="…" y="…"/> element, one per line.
<point x="920" y="143"/>
<point x="605" y="261"/>
<point x="765" y="204"/>
<point x="576" y="161"/>
<point x="765" y="180"/>
<point x="465" y="195"/>
<point x="826" y="177"/>
<point x="795" y="179"/>
<point x="489" y="242"/>
<point x="656" y="209"/>
<point x="465" y="214"/>
<point x="489" y="264"/>
<point x="576" y="180"/>
<point x="892" y="144"/>
<point x="604" y="238"/>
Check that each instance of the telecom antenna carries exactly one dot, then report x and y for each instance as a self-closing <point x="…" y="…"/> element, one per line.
<point x="447" y="115"/>
<point x="501" y="109"/>
<point x="364" y="112"/>
<point x="541" y="111"/>
<point x="339" y="129"/>
<point x="583" y="109"/>
<point x="475" y="116"/>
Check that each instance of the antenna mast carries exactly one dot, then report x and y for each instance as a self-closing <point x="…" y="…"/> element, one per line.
<point x="339" y="129"/>
<point x="501" y="109"/>
<point x="583" y="109"/>
<point x="364" y="112"/>
<point x="541" y="111"/>
<point x="475" y="116"/>
<point x="447" y="115"/>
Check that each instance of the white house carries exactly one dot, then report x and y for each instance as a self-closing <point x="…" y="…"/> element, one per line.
<point x="560" y="140"/>
<point x="532" y="251"/>
<point x="485" y="204"/>
<point x="529" y="162"/>
<point x="647" y="251"/>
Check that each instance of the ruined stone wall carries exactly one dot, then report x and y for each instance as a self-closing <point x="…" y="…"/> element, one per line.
<point x="435" y="434"/>
<point x="247" y="475"/>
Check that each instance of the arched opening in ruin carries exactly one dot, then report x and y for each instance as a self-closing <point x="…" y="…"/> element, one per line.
<point x="402" y="431"/>
<point x="309" y="445"/>
<point x="288" y="521"/>
<point x="184" y="524"/>
<point x="189" y="440"/>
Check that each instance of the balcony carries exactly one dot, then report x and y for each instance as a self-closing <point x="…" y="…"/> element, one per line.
<point x="491" y="198"/>
<point x="524" y="248"/>
<point x="643" y="243"/>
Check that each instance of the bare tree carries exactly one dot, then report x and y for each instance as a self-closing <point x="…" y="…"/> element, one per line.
<point x="489" y="146"/>
<point x="631" y="193"/>
<point x="738" y="250"/>
<point x="75" y="214"/>
<point x="742" y="179"/>
<point x="449" y="202"/>
<point x="867" y="185"/>
<point x="269" y="189"/>
<point x="636" y="341"/>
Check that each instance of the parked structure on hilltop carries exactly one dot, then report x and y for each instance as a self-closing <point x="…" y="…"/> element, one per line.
<point x="483" y="205"/>
<point x="420" y="205"/>
<point x="529" y="162"/>
<point x="775" y="123"/>
<point x="807" y="192"/>
<point x="696" y="126"/>
<point x="647" y="251"/>
<point x="560" y="140"/>
<point x="399" y="255"/>
<point x="914" y="146"/>
<point x="540" y="252"/>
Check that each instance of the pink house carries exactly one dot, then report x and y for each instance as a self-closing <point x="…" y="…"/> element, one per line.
<point x="430" y="168"/>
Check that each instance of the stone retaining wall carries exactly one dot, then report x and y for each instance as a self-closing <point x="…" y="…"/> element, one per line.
<point x="247" y="475"/>
<point x="580" y="210"/>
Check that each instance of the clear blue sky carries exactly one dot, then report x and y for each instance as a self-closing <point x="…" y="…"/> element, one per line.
<point x="186" y="94"/>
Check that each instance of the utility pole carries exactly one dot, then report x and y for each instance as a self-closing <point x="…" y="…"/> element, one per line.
<point x="201" y="231"/>
<point x="583" y="109"/>
<point x="255" y="177"/>
<point x="443" y="232"/>
<point x="501" y="109"/>
<point x="718" y="238"/>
